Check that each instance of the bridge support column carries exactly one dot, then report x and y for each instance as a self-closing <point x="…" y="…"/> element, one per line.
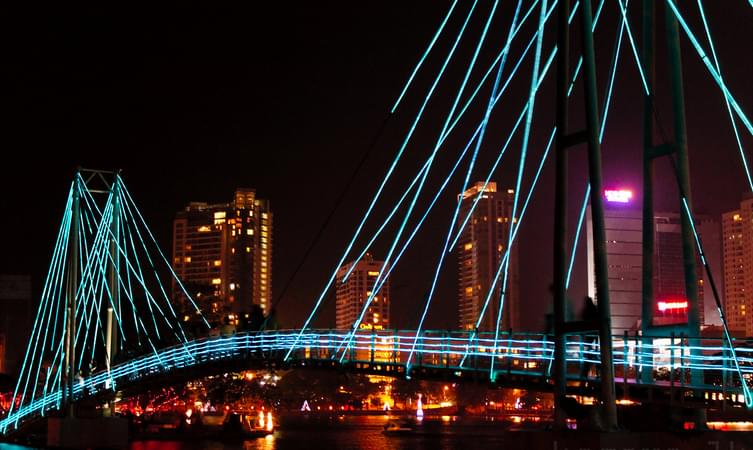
<point x="608" y="396"/>
<point x="69" y="371"/>
<point x="589" y="136"/>
<point x="560" y="213"/>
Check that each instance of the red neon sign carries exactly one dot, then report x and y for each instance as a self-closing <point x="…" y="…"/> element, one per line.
<point x="673" y="306"/>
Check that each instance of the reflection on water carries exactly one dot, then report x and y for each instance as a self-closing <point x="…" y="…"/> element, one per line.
<point x="359" y="432"/>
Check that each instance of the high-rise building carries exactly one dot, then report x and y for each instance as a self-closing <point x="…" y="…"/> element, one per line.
<point x="624" y="235"/>
<point x="480" y="248"/>
<point x="15" y="321"/>
<point x="223" y="254"/>
<point x="356" y="290"/>
<point x="737" y="234"/>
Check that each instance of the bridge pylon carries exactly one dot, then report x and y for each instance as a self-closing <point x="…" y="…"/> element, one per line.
<point x="677" y="152"/>
<point x="565" y="140"/>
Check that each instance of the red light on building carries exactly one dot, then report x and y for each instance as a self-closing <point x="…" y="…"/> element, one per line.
<point x="673" y="306"/>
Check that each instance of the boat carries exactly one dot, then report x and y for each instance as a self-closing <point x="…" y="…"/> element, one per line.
<point x="394" y="428"/>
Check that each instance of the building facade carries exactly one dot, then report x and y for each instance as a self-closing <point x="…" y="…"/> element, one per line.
<point x="15" y="321"/>
<point x="737" y="234"/>
<point x="223" y="254"/>
<point x="352" y="294"/>
<point x="624" y="236"/>
<point x="481" y="247"/>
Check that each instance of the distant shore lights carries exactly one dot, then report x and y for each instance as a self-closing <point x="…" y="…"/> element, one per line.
<point x="618" y="195"/>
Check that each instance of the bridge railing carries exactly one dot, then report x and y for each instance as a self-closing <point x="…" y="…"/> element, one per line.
<point x="669" y="361"/>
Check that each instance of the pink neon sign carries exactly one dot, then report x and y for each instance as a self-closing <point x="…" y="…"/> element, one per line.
<point x="618" y="195"/>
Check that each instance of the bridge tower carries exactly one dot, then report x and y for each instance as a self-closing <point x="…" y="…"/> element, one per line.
<point x="565" y="140"/>
<point x="69" y="362"/>
<point x="677" y="151"/>
<point x="111" y="345"/>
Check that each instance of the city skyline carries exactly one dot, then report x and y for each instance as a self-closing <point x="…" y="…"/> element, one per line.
<point x="170" y="165"/>
<point x="282" y="224"/>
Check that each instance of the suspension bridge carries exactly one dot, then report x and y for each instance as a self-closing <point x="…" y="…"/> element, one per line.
<point x="106" y="321"/>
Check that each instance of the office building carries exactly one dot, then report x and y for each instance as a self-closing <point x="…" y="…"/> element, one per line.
<point x="624" y="236"/>
<point x="223" y="254"/>
<point x="480" y="249"/>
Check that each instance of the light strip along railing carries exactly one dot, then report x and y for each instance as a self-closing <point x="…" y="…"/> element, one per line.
<point x="436" y="350"/>
<point x="383" y="183"/>
<point x="446" y="135"/>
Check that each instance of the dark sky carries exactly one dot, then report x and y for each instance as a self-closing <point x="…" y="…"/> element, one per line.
<point x="192" y="100"/>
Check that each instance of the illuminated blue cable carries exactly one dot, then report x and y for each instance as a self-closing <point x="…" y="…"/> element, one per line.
<point x="712" y="71"/>
<point x="743" y="382"/>
<point x="383" y="183"/>
<point x="521" y="167"/>
<point x="626" y="24"/>
<point x="607" y="103"/>
<point x="426" y="53"/>
<point x="479" y="141"/>
<point x="522" y="115"/>
<point x="385" y="222"/>
<point x="726" y="101"/>
<point x="578" y="229"/>
<point x="140" y="275"/>
<point x="431" y="159"/>
<point x="62" y="242"/>
<point x="505" y="259"/>
<point x="159" y="250"/>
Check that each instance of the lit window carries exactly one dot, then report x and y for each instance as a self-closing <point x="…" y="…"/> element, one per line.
<point x="217" y="263"/>
<point x="373" y="273"/>
<point x="216" y="280"/>
<point x="204" y="229"/>
<point x="219" y="215"/>
<point x="250" y="231"/>
<point x="468" y="246"/>
<point x="187" y="259"/>
<point x="248" y="249"/>
<point x="232" y="286"/>
<point x="468" y="291"/>
<point x="264" y="215"/>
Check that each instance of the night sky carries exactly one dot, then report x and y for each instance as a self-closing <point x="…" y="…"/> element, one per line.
<point x="194" y="100"/>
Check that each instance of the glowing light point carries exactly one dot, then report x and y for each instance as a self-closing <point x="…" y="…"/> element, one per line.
<point x="305" y="407"/>
<point x="419" y="409"/>
<point x="618" y="195"/>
